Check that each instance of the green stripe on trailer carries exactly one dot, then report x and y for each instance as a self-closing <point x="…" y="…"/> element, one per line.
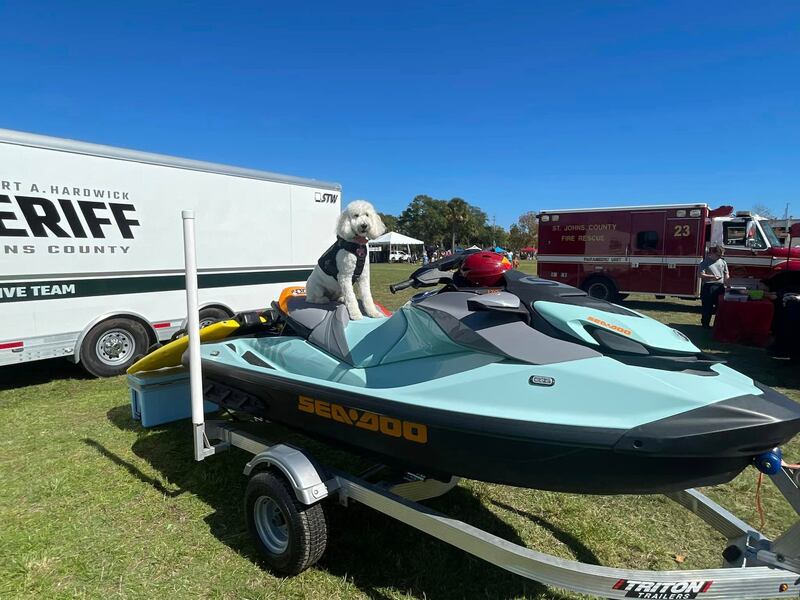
<point x="115" y="286"/>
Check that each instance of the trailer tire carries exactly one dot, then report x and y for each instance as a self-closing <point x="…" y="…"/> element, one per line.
<point x="601" y="288"/>
<point x="112" y="346"/>
<point x="212" y="315"/>
<point x="290" y="536"/>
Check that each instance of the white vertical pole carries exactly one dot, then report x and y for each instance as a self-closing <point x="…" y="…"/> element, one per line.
<point x="193" y="331"/>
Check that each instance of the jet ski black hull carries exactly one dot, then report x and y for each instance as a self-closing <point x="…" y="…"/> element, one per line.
<point x="706" y="446"/>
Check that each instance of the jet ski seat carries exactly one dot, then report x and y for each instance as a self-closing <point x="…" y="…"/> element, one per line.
<point x="362" y="343"/>
<point x="406" y="335"/>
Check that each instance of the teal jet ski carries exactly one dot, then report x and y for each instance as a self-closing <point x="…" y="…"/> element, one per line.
<point x="529" y="383"/>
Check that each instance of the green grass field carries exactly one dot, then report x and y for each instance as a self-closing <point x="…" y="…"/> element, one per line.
<point x="93" y="506"/>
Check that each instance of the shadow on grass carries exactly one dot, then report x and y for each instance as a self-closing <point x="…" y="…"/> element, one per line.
<point x="132" y="469"/>
<point x="369" y="549"/>
<point x="40" y="371"/>
<point x="122" y="418"/>
<point x="580" y="550"/>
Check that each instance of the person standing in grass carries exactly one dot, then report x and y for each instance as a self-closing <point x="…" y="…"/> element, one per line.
<point x="715" y="277"/>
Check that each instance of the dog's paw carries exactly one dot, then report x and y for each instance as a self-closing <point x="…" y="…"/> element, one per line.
<point x="356" y="316"/>
<point x="375" y="314"/>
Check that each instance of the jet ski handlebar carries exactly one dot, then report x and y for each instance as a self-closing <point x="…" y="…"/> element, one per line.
<point x="434" y="273"/>
<point x="401" y="285"/>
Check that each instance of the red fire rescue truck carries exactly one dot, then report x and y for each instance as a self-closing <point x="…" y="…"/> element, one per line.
<point x="611" y="252"/>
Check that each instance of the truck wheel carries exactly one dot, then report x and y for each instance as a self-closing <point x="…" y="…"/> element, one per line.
<point x="212" y="315"/>
<point x="289" y="535"/>
<point x="112" y="346"/>
<point x="601" y="288"/>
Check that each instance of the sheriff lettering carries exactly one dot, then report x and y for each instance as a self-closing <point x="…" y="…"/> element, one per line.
<point x="29" y="216"/>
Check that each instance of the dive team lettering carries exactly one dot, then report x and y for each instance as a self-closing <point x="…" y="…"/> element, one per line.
<point x="37" y="291"/>
<point x="413" y="432"/>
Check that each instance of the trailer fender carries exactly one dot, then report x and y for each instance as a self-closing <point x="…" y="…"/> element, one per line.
<point x="301" y="473"/>
<point x="151" y="333"/>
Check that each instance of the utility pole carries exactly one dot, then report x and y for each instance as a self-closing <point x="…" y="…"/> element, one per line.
<point x="494" y="232"/>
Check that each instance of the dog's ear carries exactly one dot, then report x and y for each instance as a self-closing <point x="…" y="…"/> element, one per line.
<point x="344" y="229"/>
<point x="377" y="226"/>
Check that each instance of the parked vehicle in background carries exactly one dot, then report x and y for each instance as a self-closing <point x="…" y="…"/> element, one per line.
<point x="399" y="256"/>
<point x="610" y="252"/>
<point x="91" y="251"/>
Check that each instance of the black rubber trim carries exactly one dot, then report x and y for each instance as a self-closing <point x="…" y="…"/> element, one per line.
<point x="570" y="435"/>
<point x="741" y="426"/>
<point x="531" y="289"/>
<point x="253" y="359"/>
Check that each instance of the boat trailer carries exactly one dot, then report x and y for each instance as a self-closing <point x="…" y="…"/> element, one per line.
<point x="287" y="490"/>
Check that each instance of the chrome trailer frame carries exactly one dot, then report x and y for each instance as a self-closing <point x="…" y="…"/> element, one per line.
<point x="754" y="566"/>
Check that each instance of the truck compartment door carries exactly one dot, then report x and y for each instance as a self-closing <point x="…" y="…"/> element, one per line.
<point x="683" y="251"/>
<point x="645" y="252"/>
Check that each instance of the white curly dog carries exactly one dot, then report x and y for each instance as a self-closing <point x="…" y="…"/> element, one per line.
<point x="347" y="262"/>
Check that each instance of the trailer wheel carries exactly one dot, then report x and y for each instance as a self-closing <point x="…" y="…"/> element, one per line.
<point x="112" y="346"/>
<point x="601" y="288"/>
<point x="289" y="535"/>
<point x="212" y="315"/>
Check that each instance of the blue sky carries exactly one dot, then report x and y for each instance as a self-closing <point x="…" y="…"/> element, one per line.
<point x="512" y="106"/>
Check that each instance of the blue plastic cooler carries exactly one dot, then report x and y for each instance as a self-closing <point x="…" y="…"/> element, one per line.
<point x="162" y="396"/>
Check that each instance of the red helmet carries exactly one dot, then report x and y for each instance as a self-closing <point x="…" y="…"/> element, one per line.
<point x="484" y="269"/>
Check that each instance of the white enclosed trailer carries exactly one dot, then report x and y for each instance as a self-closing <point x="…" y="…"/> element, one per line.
<point x="91" y="246"/>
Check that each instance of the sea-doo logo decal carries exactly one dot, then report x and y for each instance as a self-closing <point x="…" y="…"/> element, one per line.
<point x="542" y="380"/>
<point x="326" y="198"/>
<point x="602" y="323"/>
<point x="660" y="590"/>
<point x="413" y="432"/>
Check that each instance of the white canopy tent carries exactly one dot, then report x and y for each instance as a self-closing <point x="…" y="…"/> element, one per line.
<point x="393" y="239"/>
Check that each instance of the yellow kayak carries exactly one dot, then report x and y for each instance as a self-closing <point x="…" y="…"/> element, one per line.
<point x="170" y="354"/>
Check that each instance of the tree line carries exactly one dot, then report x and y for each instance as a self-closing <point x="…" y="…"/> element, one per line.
<point x="454" y="223"/>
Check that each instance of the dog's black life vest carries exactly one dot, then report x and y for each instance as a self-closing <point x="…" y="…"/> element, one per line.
<point x="327" y="262"/>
